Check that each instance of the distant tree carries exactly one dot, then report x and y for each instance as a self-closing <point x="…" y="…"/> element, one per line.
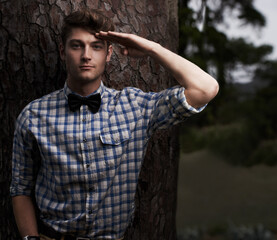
<point x="251" y="133"/>
<point x="212" y="49"/>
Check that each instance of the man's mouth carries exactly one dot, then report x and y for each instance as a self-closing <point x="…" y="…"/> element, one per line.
<point x="86" y="67"/>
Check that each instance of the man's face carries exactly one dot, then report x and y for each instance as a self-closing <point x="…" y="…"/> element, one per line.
<point x="85" y="57"/>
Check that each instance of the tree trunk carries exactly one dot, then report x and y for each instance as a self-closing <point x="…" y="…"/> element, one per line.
<point x="30" y="67"/>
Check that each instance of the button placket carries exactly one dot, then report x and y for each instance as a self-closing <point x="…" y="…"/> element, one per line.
<point x="84" y="140"/>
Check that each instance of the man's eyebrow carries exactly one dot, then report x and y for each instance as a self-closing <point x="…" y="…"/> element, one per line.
<point x="99" y="41"/>
<point x="75" y="40"/>
<point x="93" y="42"/>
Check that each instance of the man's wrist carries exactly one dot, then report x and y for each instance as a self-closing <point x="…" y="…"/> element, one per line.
<point x="31" y="237"/>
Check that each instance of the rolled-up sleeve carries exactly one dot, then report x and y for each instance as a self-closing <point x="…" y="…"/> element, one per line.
<point x="24" y="167"/>
<point x="170" y="107"/>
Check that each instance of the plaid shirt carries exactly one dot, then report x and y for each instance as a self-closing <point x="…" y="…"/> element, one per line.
<point x="90" y="163"/>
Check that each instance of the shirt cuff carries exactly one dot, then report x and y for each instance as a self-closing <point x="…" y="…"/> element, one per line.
<point x="181" y="106"/>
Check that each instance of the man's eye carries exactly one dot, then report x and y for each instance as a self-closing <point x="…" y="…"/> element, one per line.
<point x="97" y="47"/>
<point x="76" y="46"/>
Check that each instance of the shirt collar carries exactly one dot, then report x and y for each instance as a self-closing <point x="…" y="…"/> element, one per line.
<point x="100" y="90"/>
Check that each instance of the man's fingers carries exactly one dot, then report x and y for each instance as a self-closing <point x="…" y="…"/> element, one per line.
<point x="105" y="36"/>
<point x="116" y="37"/>
<point x="132" y="45"/>
<point x="113" y="36"/>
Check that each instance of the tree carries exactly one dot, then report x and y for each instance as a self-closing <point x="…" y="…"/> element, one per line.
<point x="211" y="48"/>
<point x="30" y="67"/>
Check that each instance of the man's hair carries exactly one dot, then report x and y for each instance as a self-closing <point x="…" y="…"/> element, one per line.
<point x="91" y="20"/>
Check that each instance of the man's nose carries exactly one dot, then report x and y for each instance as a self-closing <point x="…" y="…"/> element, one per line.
<point x="86" y="54"/>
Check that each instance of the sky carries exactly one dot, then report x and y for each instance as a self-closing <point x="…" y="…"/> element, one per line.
<point x="266" y="35"/>
<point x="269" y="10"/>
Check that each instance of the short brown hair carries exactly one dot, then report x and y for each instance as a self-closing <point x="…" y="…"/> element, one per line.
<point x="91" y="20"/>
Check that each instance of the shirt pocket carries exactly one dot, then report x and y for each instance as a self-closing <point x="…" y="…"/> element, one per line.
<point x="115" y="135"/>
<point x="115" y="141"/>
<point x="118" y="133"/>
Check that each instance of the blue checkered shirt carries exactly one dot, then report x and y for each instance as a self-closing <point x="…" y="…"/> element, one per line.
<point x="89" y="163"/>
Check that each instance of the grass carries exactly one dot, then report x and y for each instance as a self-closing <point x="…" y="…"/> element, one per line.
<point x="213" y="193"/>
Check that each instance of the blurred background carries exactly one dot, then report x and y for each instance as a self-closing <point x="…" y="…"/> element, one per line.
<point x="228" y="154"/>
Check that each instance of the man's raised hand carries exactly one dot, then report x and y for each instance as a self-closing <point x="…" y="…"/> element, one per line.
<point x="133" y="45"/>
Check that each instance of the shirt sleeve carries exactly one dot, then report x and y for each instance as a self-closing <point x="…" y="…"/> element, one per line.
<point x="24" y="162"/>
<point x="168" y="108"/>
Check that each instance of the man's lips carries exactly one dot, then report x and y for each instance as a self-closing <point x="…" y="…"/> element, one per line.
<point x="86" y="67"/>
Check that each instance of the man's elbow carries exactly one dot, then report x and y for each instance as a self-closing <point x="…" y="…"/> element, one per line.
<point x="213" y="90"/>
<point x="210" y="92"/>
<point x="198" y="98"/>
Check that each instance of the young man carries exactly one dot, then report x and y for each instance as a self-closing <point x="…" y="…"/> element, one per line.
<point x="92" y="139"/>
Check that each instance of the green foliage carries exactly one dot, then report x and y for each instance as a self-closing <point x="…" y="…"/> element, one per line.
<point x="232" y="142"/>
<point x="246" y="53"/>
<point x="267" y="72"/>
<point x="247" y="12"/>
<point x="261" y="114"/>
<point x="192" y="139"/>
<point x="250" y="15"/>
<point x="265" y="153"/>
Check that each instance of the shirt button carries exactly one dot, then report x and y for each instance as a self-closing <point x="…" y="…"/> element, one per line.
<point x="84" y="140"/>
<point x="87" y="165"/>
<point x="90" y="211"/>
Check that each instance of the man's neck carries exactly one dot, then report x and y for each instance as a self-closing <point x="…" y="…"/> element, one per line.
<point x="83" y="89"/>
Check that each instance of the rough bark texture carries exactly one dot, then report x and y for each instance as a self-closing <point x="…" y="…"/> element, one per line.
<point x="30" y="67"/>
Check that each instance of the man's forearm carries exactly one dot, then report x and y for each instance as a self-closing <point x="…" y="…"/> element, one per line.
<point x="25" y="216"/>
<point x="200" y="86"/>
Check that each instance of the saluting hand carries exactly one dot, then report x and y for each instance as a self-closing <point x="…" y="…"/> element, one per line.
<point x="133" y="45"/>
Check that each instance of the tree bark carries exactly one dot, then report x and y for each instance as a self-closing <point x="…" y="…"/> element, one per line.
<point x="30" y="68"/>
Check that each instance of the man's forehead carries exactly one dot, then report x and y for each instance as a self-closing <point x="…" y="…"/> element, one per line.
<point x="80" y="34"/>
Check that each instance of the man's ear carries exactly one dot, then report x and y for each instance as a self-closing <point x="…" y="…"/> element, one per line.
<point x="62" y="51"/>
<point x="109" y="54"/>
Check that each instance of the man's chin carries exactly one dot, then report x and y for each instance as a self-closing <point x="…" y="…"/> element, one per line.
<point x="88" y="79"/>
